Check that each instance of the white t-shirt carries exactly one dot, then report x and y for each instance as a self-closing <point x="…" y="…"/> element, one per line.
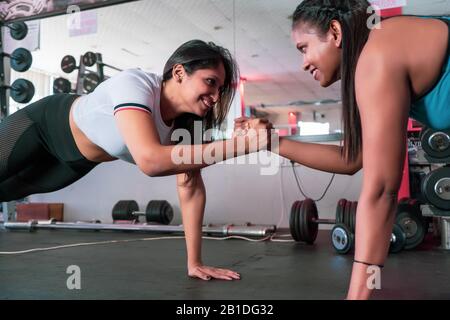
<point x="130" y="89"/>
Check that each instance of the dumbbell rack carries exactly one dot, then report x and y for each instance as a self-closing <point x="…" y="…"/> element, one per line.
<point x="417" y="165"/>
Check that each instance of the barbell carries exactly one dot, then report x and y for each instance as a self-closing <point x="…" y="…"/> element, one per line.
<point x="90" y="58"/>
<point x="219" y="230"/>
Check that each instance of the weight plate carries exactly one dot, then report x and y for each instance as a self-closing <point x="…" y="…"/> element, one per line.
<point x="308" y="213"/>
<point x="340" y="211"/>
<point x="123" y="210"/>
<point x="300" y="223"/>
<point x="292" y="221"/>
<point x="341" y="238"/>
<point x="89" y="59"/>
<point x="436" y="188"/>
<point x="21" y="60"/>
<point x="90" y="82"/>
<point x="297" y="221"/>
<point x="398" y="239"/>
<point x="347" y="213"/>
<point x="435" y="143"/>
<point x="68" y="64"/>
<point x="61" y="85"/>
<point x="353" y="210"/>
<point x="159" y="211"/>
<point x="410" y="219"/>
<point x="18" y="30"/>
<point x="22" y="91"/>
<point x="166" y="212"/>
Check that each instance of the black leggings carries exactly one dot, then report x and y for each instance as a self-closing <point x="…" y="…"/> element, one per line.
<point x="38" y="153"/>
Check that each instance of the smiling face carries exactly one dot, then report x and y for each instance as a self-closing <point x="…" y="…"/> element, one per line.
<point x="200" y="91"/>
<point x="321" y="52"/>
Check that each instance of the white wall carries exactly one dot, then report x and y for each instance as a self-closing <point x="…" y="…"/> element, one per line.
<point x="235" y="193"/>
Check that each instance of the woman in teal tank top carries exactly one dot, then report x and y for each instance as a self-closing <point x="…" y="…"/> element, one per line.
<point x="388" y="71"/>
<point x="433" y="108"/>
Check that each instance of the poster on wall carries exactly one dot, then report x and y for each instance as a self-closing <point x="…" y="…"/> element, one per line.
<point x="21" y="10"/>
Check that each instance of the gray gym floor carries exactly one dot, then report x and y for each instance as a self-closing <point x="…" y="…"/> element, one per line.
<point x="156" y="269"/>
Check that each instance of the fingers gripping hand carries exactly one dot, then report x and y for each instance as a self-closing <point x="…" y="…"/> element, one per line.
<point x="208" y="273"/>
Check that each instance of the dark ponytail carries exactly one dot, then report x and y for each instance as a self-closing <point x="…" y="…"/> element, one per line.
<point x="353" y="15"/>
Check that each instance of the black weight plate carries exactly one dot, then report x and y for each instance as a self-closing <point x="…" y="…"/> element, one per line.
<point x="436" y="143"/>
<point x="341" y="238"/>
<point x="300" y="224"/>
<point x="292" y="221"/>
<point x="21" y="60"/>
<point x="347" y="213"/>
<point x="308" y="213"/>
<point x="61" y="85"/>
<point x="68" y="64"/>
<point x="340" y="211"/>
<point x="398" y="239"/>
<point x="123" y="210"/>
<point x="166" y="212"/>
<point x="90" y="82"/>
<point x="353" y="210"/>
<point x="313" y="226"/>
<point x="436" y="188"/>
<point x="22" y="91"/>
<point x="411" y="222"/>
<point x="297" y="220"/>
<point x="89" y="59"/>
<point x="159" y="211"/>
<point x="18" y="30"/>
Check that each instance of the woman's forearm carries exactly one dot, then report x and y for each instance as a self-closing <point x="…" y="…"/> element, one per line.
<point x="169" y="160"/>
<point x="375" y="218"/>
<point x="318" y="156"/>
<point x="192" y="196"/>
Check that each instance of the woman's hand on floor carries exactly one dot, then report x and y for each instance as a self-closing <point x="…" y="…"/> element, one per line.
<point x="208" y="273"/>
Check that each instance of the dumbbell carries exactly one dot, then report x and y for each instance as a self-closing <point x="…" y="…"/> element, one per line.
<point x="18" y="30"/>
<point x="159" y="211"/>
<point x="22" y="90"/>
<point x="343" y="240"/>
<point x="304" y="221"/>
<point x="21" y="59"/>
<point x="90" y="58"/>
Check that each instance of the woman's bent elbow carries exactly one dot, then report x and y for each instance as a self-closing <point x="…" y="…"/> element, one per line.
<point x="150" y="167"/>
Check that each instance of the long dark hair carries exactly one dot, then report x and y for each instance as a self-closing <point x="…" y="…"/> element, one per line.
<point x="353" y="15"/>
<point x="195" y="55"/>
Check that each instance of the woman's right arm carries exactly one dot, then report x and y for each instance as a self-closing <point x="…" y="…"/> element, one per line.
<point x="313" y="155"/>
<point x="318" y="156"/>
<point x="141" y="137"/>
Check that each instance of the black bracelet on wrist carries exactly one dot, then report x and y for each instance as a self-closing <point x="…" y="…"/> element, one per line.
<point x="369" y="264"/>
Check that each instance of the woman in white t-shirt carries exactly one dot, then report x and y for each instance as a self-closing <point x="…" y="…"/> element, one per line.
<point x="57" y="140"/>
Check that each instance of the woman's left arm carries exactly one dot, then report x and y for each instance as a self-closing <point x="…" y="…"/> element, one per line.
<point x="383" y="96"/>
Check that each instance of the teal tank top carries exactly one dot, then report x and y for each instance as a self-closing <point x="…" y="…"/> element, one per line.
<point x="433" y="108"/>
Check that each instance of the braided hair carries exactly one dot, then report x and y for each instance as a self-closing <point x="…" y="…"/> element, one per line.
<point x="353" y="16"/>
